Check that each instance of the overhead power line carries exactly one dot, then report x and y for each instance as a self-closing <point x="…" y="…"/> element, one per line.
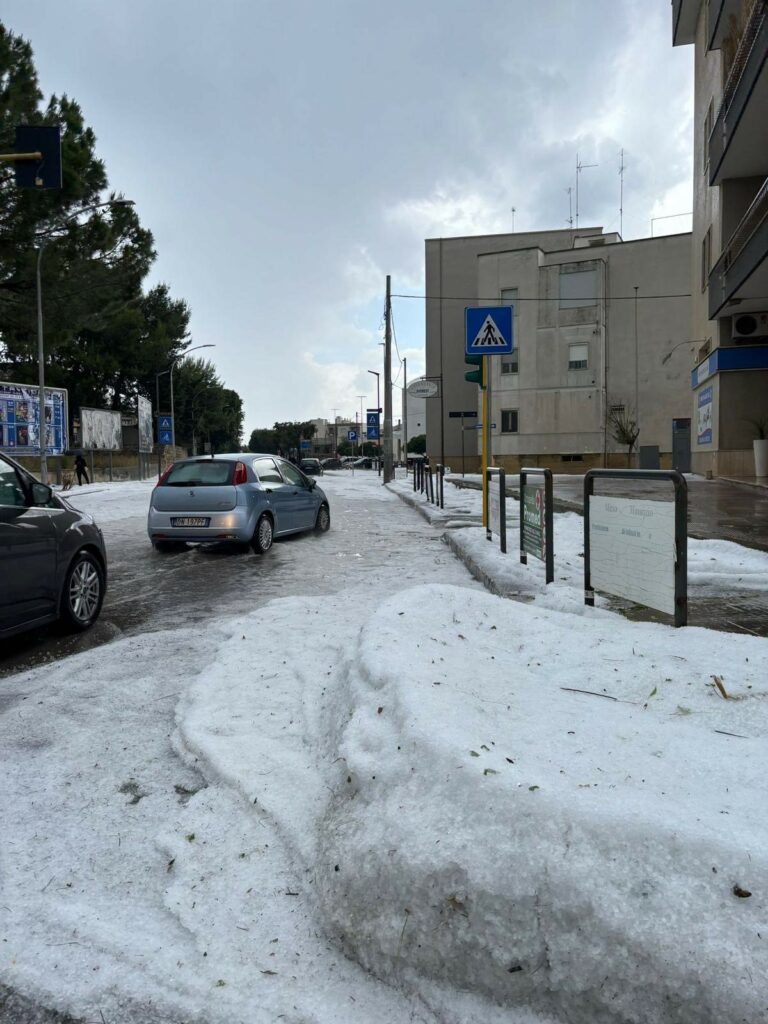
<point x="538" y="298"/>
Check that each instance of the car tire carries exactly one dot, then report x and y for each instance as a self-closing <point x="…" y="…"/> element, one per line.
<point x="167" y="546"/>
<point x="263" y="535"/>
<point x="323" y="521"/>
<point x="83" y="593"/>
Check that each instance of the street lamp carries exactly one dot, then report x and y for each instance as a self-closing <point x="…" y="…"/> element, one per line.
<point x="40" y="348"/>
<point x="182" y="355"/>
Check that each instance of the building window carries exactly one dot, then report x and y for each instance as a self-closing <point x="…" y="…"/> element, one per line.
<point x="509" y="421"/>
<point x="706" y="257"/>
<point x="578" y="357"/>
<point x="578" y="288"/>
<point x="510" y="363"/>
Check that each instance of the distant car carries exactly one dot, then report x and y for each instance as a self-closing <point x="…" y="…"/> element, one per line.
<point x="53" y="564"/>
<point x="331" y="463"/>
<point x="311" y="466"/>
<point x="239" y="498"/>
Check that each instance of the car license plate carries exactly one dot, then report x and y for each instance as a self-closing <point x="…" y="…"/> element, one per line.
<point x="189" y="521"/>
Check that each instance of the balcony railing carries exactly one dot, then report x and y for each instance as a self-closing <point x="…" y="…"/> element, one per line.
<point x="727" y="275"/>
<point x="738" y="85"/>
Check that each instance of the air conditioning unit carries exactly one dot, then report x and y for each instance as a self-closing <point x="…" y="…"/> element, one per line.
<point x="750" y="327"/>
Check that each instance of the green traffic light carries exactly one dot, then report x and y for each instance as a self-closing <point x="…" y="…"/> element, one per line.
<point x="474" y="376"/>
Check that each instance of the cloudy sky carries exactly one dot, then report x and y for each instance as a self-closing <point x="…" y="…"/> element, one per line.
<point x="288" y="154"/>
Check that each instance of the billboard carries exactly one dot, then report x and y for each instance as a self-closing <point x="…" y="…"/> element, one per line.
<point x="704" y="431"/>
<point x="20" y="419"/>
<point x="101" y="430"/>
<point x="145" y="425"/>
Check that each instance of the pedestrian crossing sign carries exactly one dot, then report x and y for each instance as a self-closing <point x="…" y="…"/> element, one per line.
<point x="488" y="330"/>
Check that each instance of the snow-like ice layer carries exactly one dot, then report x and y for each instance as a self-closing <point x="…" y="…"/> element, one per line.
<point x="573" y="853"/>
<point x="582" y="870"/>
<point x="541" y="846"/>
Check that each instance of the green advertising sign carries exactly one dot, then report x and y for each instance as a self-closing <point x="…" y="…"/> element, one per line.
<point x="534" y="534"/>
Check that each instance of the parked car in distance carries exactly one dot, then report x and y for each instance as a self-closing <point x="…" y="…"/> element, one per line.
<point x="239" y="498"/>
<point x="53" y="564"/>
<point x="311" y="467"/>
<point x="331" y="463"/>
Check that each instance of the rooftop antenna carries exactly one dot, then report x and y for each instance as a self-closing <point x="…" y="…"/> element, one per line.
<point x="579" y="168"/>
<point x="513" y="219"/>
<point x="621" y="195"/>
<point x="569" y="190"/>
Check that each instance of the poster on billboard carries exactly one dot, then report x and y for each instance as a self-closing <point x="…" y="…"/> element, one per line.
<point x="101" y="430"/>
<point x="704" y="431"/>
<point x="20" y="419"/>
<point x="145" y="425"/>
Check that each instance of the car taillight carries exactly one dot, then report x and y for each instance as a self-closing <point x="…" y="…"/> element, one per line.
<point x="240" y="475"/>
<point x="164" y="475"/>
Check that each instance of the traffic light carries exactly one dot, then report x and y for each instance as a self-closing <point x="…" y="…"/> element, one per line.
<point x="45" y="171"/>
<point x="474" y="376"/>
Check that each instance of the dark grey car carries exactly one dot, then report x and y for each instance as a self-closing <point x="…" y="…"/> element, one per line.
<point x="52" y="559"/>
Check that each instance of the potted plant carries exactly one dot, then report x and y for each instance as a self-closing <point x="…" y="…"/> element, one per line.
<point x="760" y="445"/>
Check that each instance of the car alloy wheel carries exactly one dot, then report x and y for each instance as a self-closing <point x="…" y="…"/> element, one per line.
<point x="262" y="538"/>
<point x="83" y="591"/>
<point x="323" y="519"/>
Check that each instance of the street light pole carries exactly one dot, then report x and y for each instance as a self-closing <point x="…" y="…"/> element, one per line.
<point x="360" y="431"/>
<point x="42" y="438"/>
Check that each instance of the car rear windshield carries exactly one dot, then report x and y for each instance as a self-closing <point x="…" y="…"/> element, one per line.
<point x="200" y="474"/>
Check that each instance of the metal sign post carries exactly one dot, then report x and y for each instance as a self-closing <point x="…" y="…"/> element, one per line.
<point x="537" y="520"/>
<point x="488" y="332"/>
<point x="497" y="508"/>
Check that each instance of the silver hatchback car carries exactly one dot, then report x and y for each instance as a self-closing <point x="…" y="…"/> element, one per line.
<point x="239" y="498"/>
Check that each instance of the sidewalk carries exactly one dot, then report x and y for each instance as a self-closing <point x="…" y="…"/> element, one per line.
<point x="727" y="549"/>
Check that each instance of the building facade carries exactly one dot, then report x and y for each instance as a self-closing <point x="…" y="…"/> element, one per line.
<point x="729" y="307"/>
<point x="601" y="332"/>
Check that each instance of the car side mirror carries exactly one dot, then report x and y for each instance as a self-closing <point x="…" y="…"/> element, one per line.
<point x="41" y="493"/>
<point x="312" y="484"/>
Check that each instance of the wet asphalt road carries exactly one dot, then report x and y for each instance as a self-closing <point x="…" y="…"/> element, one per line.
<point x="375" y="543"/>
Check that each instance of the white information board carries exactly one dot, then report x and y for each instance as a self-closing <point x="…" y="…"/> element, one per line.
<point x="632" y="550"/>
<point x="494" y="506"/>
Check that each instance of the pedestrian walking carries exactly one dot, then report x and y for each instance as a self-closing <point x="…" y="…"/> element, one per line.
<point x="81" y="469"/>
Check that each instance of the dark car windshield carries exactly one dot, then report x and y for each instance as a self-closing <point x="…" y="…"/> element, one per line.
<point x="200" y="474"/>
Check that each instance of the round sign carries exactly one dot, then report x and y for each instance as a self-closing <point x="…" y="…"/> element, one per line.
<point x="423" y="388"/>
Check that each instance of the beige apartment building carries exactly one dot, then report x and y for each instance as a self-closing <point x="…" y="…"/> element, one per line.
<point x="601" y="330"/>
<point x="729" y="308"/>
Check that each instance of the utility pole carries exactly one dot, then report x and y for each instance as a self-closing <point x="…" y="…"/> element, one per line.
<point x="388" y="384"/>
<point x="405" y="414"/>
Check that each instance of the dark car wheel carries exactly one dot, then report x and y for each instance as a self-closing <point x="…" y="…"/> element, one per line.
<point x="263" y="535"/>
<point x="83" y="592"/>
<point x="323" y="521"/>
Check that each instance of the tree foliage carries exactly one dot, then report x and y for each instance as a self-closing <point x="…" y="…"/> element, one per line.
<point x="418" y="444"/>
<point x="624" y="428"/>
<point x="105" y="338"/>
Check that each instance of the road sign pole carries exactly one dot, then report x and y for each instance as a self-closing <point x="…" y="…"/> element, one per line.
<point x="485" y="457"/>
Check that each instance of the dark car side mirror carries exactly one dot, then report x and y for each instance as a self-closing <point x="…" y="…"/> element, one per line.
<point x="312" y="483"/>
